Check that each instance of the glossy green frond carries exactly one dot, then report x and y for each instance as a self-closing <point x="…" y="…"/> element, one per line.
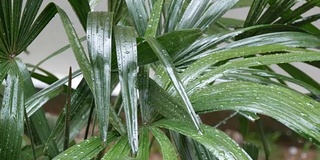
<point x="273" y="101"/>
<point x="217" y="142"/>
<point x="99" y="33"/>
<point x="12" y="116"/>
<point x="127" y="64"/>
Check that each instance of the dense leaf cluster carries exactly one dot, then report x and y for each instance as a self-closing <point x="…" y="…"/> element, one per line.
<point x="174" y="60"/>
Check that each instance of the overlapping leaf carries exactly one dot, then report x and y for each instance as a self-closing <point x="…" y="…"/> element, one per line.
<point x="12" y="116"/>
<point x="166" y="61"/>
<point x="273" y="101"/>
<point x="217" y="142"/>
<point x="99" y="33"/>
<point x="127" y="65"/>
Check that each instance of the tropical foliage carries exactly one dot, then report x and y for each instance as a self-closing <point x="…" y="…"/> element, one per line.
<point x="174" y="60"/>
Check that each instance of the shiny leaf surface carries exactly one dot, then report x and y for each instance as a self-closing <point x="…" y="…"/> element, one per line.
<point x="217" y="142"/>
<point x="99" y="32"/>
<point x="127" y="65"/>
<point x="273" y="101"/>
<point x="12" y="116"/>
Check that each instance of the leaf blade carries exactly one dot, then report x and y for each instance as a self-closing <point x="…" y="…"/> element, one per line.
<point x="127" y="65"/>
<point x="275" y="103"/>
<point x="12" y="116"/>
<point x="167" y="62"/>
<point x="99" y="31"/>
<point x="167" y="149"/>
<point x="217" y="142"/>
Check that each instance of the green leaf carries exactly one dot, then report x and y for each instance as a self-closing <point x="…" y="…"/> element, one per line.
<point x="27" y="152"/>
<point x="127" y="65"/>
<point x="200" y="14"/>
<point x="293" y="39"/>
<point x="153" y="23"/>
<point x="299" y="75"/>
<point x="138" y="11"/>
<point x="117" y="7"/>
<point x="295" y="14"/>
<point x="167" y="149"/>
<point x="15" y="20"/>
<point x="297" y="56"/>
<point x="198" y="67"/>
<point x="6" y="7"/>
<point x="273" y="101"/>
<point x="184" y="147"/>
<point x="81" y="8"/>
<point x="28" y="16"/>
<point x="192" y="13"/>
<point x="264" y="77"/>
<point x="5" y="66"/>
<point x="36" y="101"/>
<point x="81" y="100"/>
<point x="146" y="111"/>
<point x="99" y="33"/>
<point x="12" y="116"/>
<point x="77" y="48"/>
<point x="144" y="144"/>
<point x="173" y="42"/>
<point x="217" y="142"/>
<point x="214" y="11"/>
<point x="86" y="149"/>
<point x="120" y="150"/>
<point x="208" y="45"/>
<point x="275" y="10"/>
<point x="166" y="61"/>
<point x="252" y="150"/>
<point x="25" y="39"/>
<point x="164" y="103"/>
<point x="38" y="119"/>
<point x="173" y="14"/>
<point x="255" y="12"/>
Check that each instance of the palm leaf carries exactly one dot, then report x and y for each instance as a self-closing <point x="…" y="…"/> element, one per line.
<point x="86" y="149"/>
<point x="12" y="116"/>
<point x="81" y="8"/>
<point x="168" y="64"/>
<point x="138" y="11"/>
<point x="38" y="120"/>
<point x="144" y="144"/>
<point x="81" y="100"/>
<point x="121" y="149"/>
<point x="217" y="142"/>
<point x="127" y="65"/>
<point x="36" y="101"/>
<point x="273" y="101"/>
<point x="167" y="149"/>
<point x="99" y="26"/>
<point x="77" y="48"/>
<point x="250" y="62"/>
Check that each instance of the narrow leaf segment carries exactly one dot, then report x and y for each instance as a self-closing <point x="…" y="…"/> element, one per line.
<point x="99" y="31"/>
<point x="127" y="64"/>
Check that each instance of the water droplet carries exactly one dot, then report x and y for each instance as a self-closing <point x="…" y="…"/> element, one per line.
<point x="304" y="155"/>
<point x="293" y="150"/>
